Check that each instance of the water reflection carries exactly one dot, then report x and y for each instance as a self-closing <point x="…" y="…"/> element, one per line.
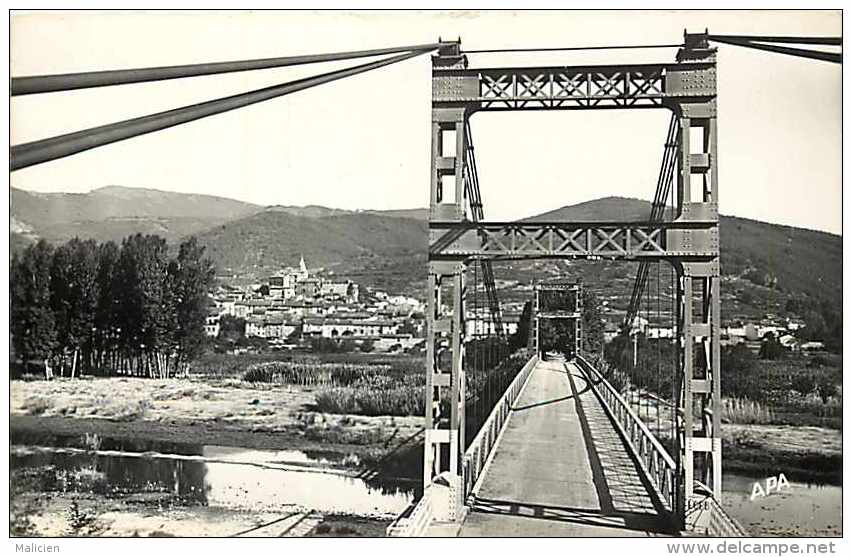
<point x="227" y="477"/>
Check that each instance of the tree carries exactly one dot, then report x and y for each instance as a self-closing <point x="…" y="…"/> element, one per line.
<point x="74" y="297"/>
<point x="815" y="325"/>
<point x="520" y="338"/>
<point x="593" y="324"/>
<point x="803" y="383"/>
<point x="833" y="326"/>
<point x="232" y="329"/>
<point x="106" y="311"/>
<point x="826" y="387"/>
<point x="143" y="316"/>
<point x="32" y="321"/>
<point x="191" y="277"/>
<point x="556" y="335"/>
<point x="739" y="377"/>
<point x="793" y="305"/>
<point x="771" y="349"/>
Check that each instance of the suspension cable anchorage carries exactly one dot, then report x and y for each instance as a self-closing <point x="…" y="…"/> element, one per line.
<point x="44" y="150"/>
<point x="28" y="85"/>
<point x="833" y="41"/>
<point x="766" y="45"/>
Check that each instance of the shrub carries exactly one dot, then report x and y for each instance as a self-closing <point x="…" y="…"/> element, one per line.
<point x="130" y="411"/>
<point x="803" y="383"/>
<point x="745" y="411"/>
<point x="771" y="349"/>
<point x="372" y="399"/>
<point x="311" y="373"/>
<point x="36" y="406"/>
<point x="826" y="387"/>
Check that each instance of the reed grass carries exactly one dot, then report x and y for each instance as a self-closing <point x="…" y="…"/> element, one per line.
<point x="744" y="411"/>
<point x="312" y="373"/>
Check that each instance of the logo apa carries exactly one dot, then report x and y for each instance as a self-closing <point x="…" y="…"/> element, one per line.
<point x="772" y="484"/>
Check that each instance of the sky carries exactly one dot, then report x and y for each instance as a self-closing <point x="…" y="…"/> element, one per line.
<point x="364" y="142"/>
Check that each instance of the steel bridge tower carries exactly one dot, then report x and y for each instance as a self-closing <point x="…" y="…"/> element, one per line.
<point x="570" y="311"/>
<point x="689" y="242"/>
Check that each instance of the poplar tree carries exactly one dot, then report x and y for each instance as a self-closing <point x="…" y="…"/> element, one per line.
<point x="74" y="297"/>
<point x="192" y="277"/>
<point x="32" y="321"/>
<point x="593" y="324"/>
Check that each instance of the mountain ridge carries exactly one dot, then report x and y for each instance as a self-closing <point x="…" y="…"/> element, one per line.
<point x="249" y="238"/>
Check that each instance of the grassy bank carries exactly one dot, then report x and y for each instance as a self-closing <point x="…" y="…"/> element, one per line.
<point x="224" y="412"/>
<point x="807" y="466"/>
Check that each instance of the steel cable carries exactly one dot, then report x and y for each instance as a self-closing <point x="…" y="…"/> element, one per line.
<point x="571" y="48"/>
<point x="36" y="152"/>
<point x="28" y="85"/>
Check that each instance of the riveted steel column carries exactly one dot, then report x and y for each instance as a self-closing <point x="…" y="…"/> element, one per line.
<point x="445" y="333"/>
<point x="692" y="96"/>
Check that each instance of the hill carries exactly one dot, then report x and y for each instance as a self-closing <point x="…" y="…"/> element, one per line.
<point x="606" y="208"/>
<point x="275" y="238"/>
<point x="787" y="259"/>
<point x="112" y="212"/>
<point x="318" y="211"/>
<point x="763" y="264"/>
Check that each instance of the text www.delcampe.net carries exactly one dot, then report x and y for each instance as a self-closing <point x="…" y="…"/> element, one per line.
<point x="757" y="548"/>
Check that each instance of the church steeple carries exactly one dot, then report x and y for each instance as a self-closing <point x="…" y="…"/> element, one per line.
<point x="302" y="267"/>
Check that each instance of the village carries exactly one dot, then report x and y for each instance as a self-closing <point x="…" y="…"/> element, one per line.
<point x="787" y="331"/>
<point x="297" y="308"/>
<point x="294" y="305"/>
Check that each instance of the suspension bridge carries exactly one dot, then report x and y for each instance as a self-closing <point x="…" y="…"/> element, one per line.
<point x="554" y="449"/>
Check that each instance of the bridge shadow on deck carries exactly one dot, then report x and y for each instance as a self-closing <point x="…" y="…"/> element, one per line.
<point x="623" y="489"/>
<point x="626" y="503"/>
<point x="622" y="520"/>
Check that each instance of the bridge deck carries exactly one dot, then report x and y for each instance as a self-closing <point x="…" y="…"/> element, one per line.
<point x="561" y="469"/>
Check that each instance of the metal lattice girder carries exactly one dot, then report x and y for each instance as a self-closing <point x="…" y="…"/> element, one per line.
<point x="570" y="240"/>
<point x="559" y="315"/>
<point x="573" y="87"/>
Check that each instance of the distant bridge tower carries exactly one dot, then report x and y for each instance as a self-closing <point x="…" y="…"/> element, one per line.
<point x="689" y="241"/>
<point x="558" y="301"/>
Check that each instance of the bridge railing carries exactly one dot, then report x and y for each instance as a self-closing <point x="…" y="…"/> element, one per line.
<point x="476" y="456"/>
<point x="656" y="462"/>
<point x="415" y="522"/>
<point x="705" y="516"/>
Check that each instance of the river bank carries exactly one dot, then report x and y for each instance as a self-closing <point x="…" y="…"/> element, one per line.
<point x="801" y="453"/>
<point x="95" y="486"/>
<point x="141" y="457"/>
<point x="220" y="412"/>
<point x="236" y="413"/>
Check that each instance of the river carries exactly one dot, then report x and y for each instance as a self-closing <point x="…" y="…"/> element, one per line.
<point x="801" y="509"/>
<point x="208" y="475"/>
<point x="238" y="478"/>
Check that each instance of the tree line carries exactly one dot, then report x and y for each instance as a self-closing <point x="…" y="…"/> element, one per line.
<point x="104" y="308"/>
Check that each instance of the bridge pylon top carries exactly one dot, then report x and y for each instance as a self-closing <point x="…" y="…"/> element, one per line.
<point x="449" y="55"/>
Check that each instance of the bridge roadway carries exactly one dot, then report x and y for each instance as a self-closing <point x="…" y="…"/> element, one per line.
<point x="561" y="468"/>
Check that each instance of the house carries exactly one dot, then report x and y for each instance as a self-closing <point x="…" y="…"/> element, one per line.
<point x="343" y="290"/>
<point x="789" y="342"/>
<point x="812" y="346"/>
<point x="308" y="288"/>
<point x="270" y="327"/>
<point x="211" y="323"/>
<point x="333" y="328"/>
<point x="660" y="332"/>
